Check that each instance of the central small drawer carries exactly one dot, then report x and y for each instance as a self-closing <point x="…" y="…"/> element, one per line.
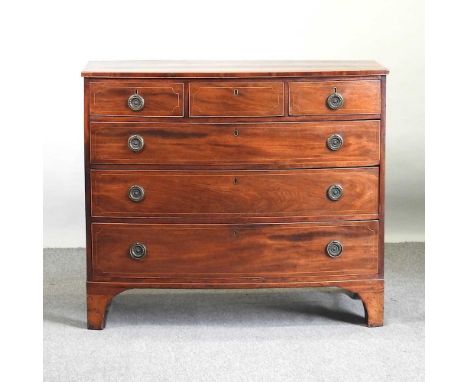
<point x="236" y="99"/>
<point x="211" y="250"/>
<point x="321" y="193"/>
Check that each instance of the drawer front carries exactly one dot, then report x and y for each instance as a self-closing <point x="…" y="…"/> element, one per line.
<point x="158" y="98"/>
<point x="322" y="144"/>
<point x="231" y="193"/>
<point x="346" y="97"/>
<point x="227" y="250"/>
<point x="236" y="99"/>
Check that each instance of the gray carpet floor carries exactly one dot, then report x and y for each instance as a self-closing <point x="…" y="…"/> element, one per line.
<point x="234" y="335"/>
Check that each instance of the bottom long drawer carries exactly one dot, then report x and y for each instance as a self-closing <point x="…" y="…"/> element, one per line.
<point x="214" y="250"/>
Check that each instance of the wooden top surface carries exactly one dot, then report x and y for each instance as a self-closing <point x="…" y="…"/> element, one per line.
<point x="223" y="69"/>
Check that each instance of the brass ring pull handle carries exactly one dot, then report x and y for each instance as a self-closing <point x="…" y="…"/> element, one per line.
<point x="335" y="142"/>
<point x="136" y="143"/>
<point x="136" y="193"/>
<point x="335" y="100"/>
<point x="137" y="251"/>
<point x="136" y="102"/>
<point x="334" y="248"/>
<point x="335" y="192"/>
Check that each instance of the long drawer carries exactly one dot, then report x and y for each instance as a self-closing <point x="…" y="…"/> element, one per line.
<point x="322" y="193"/>
<point x="151" y="250"/>
<point x="320" y="144"/>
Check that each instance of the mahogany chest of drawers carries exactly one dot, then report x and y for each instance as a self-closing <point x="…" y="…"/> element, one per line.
<point x="234" y="175"/>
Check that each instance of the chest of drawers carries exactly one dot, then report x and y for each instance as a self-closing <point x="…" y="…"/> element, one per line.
<point x="234" y="175"/>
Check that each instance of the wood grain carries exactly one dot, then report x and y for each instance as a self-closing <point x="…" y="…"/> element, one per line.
<point x="249" y="193"/>
<point x="382" y="179"/>
<point x="374" y="307"/>
<point x="238" y="145"/>
<point x="309" y="97"/>
<point x="162" y="98"/>
<point x="236" y="99"/>
<point x="242" y="250"/>
<point x="223" y="120"/>
<point x="230" y="69"/>
<point x="98" y="300"/>
<point x="87" y="178"/>
<point x="235" y="170"/>
<point x="100" y="294"/>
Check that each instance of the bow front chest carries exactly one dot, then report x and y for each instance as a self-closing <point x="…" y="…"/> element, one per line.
<point x="234" y="175"/>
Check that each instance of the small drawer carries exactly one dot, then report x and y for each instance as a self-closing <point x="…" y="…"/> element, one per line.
<point x="211" y="250"/>
<point x="236" y="99"/>
<point x="273" y="145"/>
<point x="318" y="193"/>
<point x="137" y="98"/>
<point x="334" y="97"/>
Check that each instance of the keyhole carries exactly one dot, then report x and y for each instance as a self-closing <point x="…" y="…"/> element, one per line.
<point x="236" y="133"/>
<point x="236" y="92"/>
<point x="235" y="181"/>
<point x="235" y="233"/>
